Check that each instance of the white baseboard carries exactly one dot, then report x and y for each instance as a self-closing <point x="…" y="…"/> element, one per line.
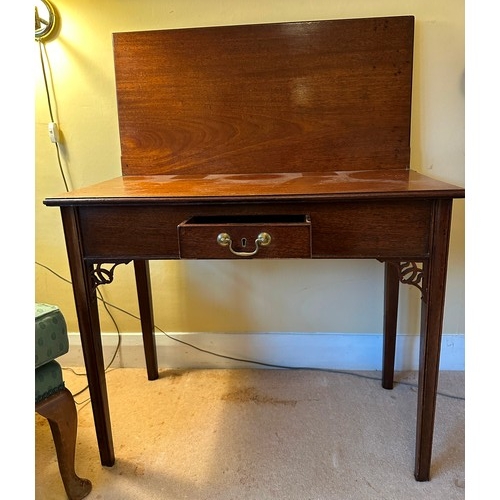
<point x="314" y="350"/>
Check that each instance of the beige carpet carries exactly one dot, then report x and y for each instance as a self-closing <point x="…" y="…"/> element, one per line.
<point x="260" y="434"/>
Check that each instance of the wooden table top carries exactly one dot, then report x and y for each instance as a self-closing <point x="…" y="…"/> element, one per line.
<point x="361" y="184"/>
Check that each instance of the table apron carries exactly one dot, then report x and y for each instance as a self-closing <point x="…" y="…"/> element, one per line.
<point x="344" y="229"/>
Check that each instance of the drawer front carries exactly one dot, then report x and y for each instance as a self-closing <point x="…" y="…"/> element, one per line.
<point x="262" y="237"/>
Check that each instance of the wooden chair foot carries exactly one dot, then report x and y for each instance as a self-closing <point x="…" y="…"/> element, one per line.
<point x="60" y="411"/>
<point x="77" y="487"/>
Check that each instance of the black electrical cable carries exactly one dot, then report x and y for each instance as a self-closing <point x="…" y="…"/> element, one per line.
<point x="45" y="80"/>
<point x="40" y="44"/>
<point x="250" y="361"/>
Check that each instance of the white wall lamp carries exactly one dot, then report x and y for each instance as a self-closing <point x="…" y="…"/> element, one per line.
<point x="46" y="21"/>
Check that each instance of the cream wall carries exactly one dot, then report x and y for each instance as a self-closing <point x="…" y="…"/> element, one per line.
<point x="251" y="296"/>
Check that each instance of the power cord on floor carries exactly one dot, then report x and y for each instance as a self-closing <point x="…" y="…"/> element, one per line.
<point x="108" y="367"/>
<point x="233" y="358"/>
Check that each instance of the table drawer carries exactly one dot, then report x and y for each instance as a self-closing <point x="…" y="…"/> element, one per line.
<point x="237" y="237"/>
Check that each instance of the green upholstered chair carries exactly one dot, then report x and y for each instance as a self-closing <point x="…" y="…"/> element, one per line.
<point x="52" y="399"/>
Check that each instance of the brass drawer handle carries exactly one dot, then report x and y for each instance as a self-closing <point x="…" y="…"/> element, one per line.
<point x="262" y="240"/>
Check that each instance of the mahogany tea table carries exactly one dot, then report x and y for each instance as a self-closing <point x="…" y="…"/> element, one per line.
<point x="270" y="141"/>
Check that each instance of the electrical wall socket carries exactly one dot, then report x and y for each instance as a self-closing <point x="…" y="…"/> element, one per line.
<point x="53" y="132"/>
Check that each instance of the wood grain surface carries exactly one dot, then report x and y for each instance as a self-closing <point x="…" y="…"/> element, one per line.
<point x="286" y="97"/>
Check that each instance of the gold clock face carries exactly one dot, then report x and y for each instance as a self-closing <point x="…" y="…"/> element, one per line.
<point x="45" y="19"/>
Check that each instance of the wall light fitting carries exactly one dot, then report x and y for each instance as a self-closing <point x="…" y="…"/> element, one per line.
<point x="46" y="20"/>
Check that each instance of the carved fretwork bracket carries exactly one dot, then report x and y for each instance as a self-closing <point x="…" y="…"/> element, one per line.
<point x="102" y="276"/>
<point x="410" y="273"/>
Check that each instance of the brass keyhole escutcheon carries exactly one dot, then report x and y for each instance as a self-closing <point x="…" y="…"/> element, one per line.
<point x="262" y="240"/>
